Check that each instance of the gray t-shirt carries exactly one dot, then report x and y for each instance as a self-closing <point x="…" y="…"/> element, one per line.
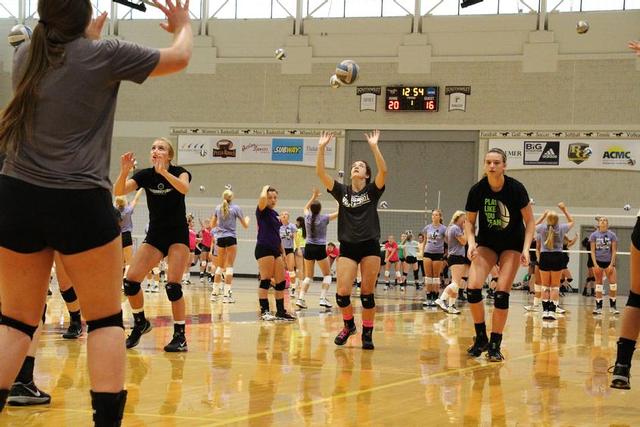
<point x="559" y="231"/>
<point x="435" y="238"/>
<point x="455" y="248"/>
<point x="603" y="241"/>
<point x="320" y="226"/>
<point x="73" y="122"/>
<point x="287" y="234"/>
<point x="227" y="224"/>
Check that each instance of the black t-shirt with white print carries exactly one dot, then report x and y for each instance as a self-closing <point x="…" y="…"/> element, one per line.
<point x="166" y="204"/>
<point x="357" y="215"/>
<point x="499" y="212"/>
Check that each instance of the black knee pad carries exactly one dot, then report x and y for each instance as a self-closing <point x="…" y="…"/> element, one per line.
<point x="474" y="295"/>
<point x="28" y="330"/>
<point x="343" y="300"/>
<point x="174" y="291"/>
<point x="633" y="300"/>
<point x="368" y="301"/>
<point x="280" y="286"/>
<point x="635" y="235"/>
<point x="265" y="284"/>
<point x="131" y="288"/>
<point x="105" y="322"/>
<point x="70" y="295"/>
<point x="44" y="314"/>
<point x="501" y="300"/>
<point x="570" y="279"/>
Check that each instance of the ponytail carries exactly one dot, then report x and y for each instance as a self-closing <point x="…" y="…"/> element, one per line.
<point x="227" y="196"/>
<point x="315" y="208"/>
<point x="550" y="237"/>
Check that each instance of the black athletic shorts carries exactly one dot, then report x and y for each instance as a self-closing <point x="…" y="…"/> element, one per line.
<point x="458" y="260"/>
<point x="401" y="259"/>
<point x="225" y="242"/>
<point x="551" y="261"/>
<point x="359" y="250"/>
<point x="533" y="258"/>
<point x="163" y="237"/>
<point x="589" y="262"/>
<point x="410" y="260"/>
<point x="33" y="218"/>
<point x="315" y="252"/>
<point x="202" y="248"/>
<point x="499" y="246"/>
<point x="126" y="239"/>
<point x="262" y="251"/>
<point x="603" y="264"/>
<point x="565" y="260"/>
<point x="434" y="257"/>
<point x="288" y="251"/>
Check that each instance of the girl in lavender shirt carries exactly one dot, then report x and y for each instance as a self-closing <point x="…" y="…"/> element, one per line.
<point x="604" y="246"/>
<point x="316" y="249"/>
<point x="287" y="236"/>
<point x="126" y="211"/>
<point x="433" y="257"/>
<point x="224" y="218"/>
<point x="457" y="260"/>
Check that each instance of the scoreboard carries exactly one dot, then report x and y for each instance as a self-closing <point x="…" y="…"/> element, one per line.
<point x="412" y="98"/>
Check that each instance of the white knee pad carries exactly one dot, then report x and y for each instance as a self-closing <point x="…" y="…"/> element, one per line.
<point x="428" y="280"/>
<point x="545" y="288"/>
<point x="326" y="280"/>
<point x="537" y="288"/>
<point x="435" y="281"/>
<point x="454" y="287"/>
<point x="613" y="287"/>
<point x="203" y="263"/>
<point x="292" y="275"/>
<point x="398" y="275"/>
<point x="600" y="288"/>
<point x="229" y="271"/>
<point x="386" y="273"/>
<point x="218" y="271"/>
<point x="155" y="270"/>
<point x="306" y="281"/>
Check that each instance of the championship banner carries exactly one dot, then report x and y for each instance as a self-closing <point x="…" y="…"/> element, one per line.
<point x="570" y="153"/>
<point x="206" y="149"/>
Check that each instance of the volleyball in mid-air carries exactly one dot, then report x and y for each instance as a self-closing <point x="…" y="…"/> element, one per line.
<point x="280" y="54"/>
<point x="19" y="34"/>
<point x="627" y="207"/>
<point x="202" y="188"/>
<point x="334" y="82"/>
<point x="347" y="71"/>
<point x="582" y="27"/>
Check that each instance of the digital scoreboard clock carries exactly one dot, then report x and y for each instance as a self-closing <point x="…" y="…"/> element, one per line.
<point x="412" y="98"/>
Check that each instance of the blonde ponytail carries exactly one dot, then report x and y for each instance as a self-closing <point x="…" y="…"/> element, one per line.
<point x="227" y="196"/>
<point x="552" y="221"/>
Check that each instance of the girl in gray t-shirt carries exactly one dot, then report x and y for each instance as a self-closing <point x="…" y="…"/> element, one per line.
<point x="604" y="247"/>
<point x="458" y="263"/>
<point x="287" y="236"/>
<point x="433" y="257"/>
<point x="316" y="249"/>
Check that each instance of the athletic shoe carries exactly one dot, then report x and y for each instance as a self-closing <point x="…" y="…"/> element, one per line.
<point x="537" y="308"/>
<point x="74" y="331"/>
<point x="136" y="333"/>
<point x="560" y="310"/>
<point x="490" y="293"/>
<point x="178" y="344"/>
<point x="147" y="287"/>
<point x="461" y="297"/>
<point x="285" y="316"/>
<point x="228" y="299"/>
<point x="441" y="304"/>
<point x="292" y="291"/>
<point x="27" y="394"/>
<point x="267" y="317"/>
<point x="402" y="288"/>
<point x="621" y="377"/>
<point x="549" y="315"/>
<point x="584" y="292"/>
<point x="49" y="293"/>
<point x="477" y="348"/>
<point x="426" y="303"/>
<point x="300" y="303"/>
<point x="155" y="288"/>
<point x="367" y="339"/>
<point x="386" y="288"/>
<point x="325" y="303"/>
<point x="453" y="310"/>
<point x="613" y="310"/>
<point x="493" y="353"/>
<point x="597" y="311"/>
<point x="214" y="296"/>
<point x="344" y="335"/>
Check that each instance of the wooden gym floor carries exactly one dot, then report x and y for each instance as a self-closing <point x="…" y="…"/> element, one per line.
<point x="241" y="371"/>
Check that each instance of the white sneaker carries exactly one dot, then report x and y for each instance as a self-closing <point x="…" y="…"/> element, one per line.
<point x="301" y="303"/>
<point x="533" y="308"/>
<point x="325" y="303"/>
<point x="545" y="314"/>
<point x="614" y="310"/>
<point x="560" y="310"/>
<point x="228" y="299"/>
<point x="268" y="317"/>
<point x="453" y="310"/>
<point x="426" y="303"/>
<point x="214" y="296"/>
<point x="292" y="291"/>
<point x="597" y="311"/>
<point x="441" y="304"/>
<point x="155" y="288"/>
<point x="551" y="315"/>
<point x="386" y="288"/>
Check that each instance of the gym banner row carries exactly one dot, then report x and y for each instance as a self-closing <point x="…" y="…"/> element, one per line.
<point x="570" y="153"/>
<point x="206" y="149"/>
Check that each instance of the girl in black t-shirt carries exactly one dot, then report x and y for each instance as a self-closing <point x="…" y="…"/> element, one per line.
<point x="168" y="236"/>
<point x="359" y="235"/>
<point x="501" y="206"/>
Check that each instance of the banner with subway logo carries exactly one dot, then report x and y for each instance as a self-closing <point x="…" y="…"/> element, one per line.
<point x="205" y="149"/>
<point x="570" y="153"/>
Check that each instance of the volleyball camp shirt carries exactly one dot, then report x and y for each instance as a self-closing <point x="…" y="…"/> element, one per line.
<point x="70" y="145"/>
<point x="603" y="244"/>
<point x="269" y="224"/>
<point x="287" y="234"/>
<point x="165" y="203"/>
<point x="499" y="215"/>
<point x="357" y="215"/>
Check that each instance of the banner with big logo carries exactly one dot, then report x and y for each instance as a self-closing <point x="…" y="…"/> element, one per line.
<point x="570" y="153"/>
<point x="204" y="149"/>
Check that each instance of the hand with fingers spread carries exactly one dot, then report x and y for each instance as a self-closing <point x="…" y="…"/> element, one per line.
<point x="325" y="138"/>
<point x="159" y="166"/>
<point x="316" y="193"/>
<point x="372" y="138"/>
<point x="634" y="46"/>
<point x="94" y="29"/>
<point x="127" y="161"/>
<point x="177" y="15"/>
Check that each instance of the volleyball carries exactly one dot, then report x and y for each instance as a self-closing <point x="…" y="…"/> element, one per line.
<point x="202" y="188"/>
<point x="347" y="71"/>
<point x="582" y="27"/>
<point x="532" y="202"/>
<point x="340" y="173"/>
<point x="505" y="216"/>
<point x="627" y="207"/>
<point x="228" y="187"/>
<point x="334" y="82"/>
<point x="280" y="54"/>
<point x="19" y="34"/>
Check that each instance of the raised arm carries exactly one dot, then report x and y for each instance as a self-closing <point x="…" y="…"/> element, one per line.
<point x="180" y="183"/>
<point x="176" y="57"/>
<point x="566" y="213"/>
<point x="134" y="202"/>
<point x="314" y="196"/>
<point x="381" y="165"/>
<point x="542" y="217"/>
<point x="327" y="181"/>
<point x="124" y="185"/>
<point x="262" y="200"/>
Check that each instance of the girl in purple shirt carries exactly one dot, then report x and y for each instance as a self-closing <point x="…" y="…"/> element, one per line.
<point x="269" y="253"/>
<point x="604" y="246"/>
<point x="433" y="257"/>
<point x="458" y="262"/>
<point x="224" y="219"/>
<point x="316" y="249"/>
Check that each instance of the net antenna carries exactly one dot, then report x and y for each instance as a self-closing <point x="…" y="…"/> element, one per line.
<point x="140" y="5"/>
